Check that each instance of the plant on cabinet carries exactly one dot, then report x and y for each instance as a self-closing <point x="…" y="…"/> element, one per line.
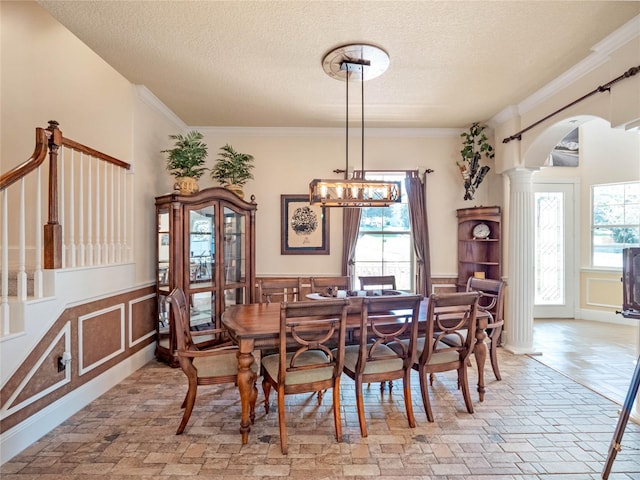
<point x="186" y="160"/>
<point x="232" y="169"/>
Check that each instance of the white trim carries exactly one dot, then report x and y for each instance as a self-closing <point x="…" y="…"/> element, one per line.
<point x="16" y="439"/>
<point x="605" y="317"/>
<point x="81" y="368"/>
<point x="601" y="52"/>
<point x="66" y="331"/>
<point x="150" y="99"/>
<point x="144" y="337"/>
<point x="622" y="35"/>
<point x="327" y="132"/>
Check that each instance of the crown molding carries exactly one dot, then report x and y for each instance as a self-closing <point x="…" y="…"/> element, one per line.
<point x="601" y="52"/>
<point x="327" y="132"/>
<point x="154" y="102"/>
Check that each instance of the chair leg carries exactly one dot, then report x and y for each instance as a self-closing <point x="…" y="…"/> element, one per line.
<point x="187" y="404"/>
<point x="406" y="383"/>
<point x="424" y="390"/>
<point x="466" y="393"/>
<point x="266" y="388"/>
<point x="336" y="410"/>
<point x="252" y="404"/>
<point x="493" y="349"/>
<point x="360" y="406"/>
<point x="282" y="420"/>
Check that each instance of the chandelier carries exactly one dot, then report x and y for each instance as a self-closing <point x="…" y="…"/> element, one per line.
<point x="354" y="62"/>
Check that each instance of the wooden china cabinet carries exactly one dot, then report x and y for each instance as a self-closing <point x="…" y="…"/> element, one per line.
<point x="205" y="246"/>
<point x="479" y="244"/>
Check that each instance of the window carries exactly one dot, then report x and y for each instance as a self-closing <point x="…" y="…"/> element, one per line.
<point x="615" y="223"/>
<point x="384" y="243"/>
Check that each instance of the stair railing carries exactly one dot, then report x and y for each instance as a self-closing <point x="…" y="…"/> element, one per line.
<point x="89" y="215"/>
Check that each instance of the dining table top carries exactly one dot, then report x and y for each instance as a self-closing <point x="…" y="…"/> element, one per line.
<point x="262" y="320"/>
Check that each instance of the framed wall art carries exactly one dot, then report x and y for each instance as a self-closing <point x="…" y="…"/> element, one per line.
<point x="304" y="227"/>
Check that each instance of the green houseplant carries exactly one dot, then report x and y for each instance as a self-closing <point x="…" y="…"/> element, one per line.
<point x="186" y="160"/>
<point x="232" y="169"/>
<point x="475" y="145"/>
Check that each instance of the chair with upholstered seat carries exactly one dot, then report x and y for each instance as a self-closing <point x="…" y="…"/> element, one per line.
<point x="383" y="320"/>
<point x="202" y="367"/>
<point x="448" y="314"/>
<point x="305" y="363"/>
<point x="382" y="282"/>
<point x="279" y="290"/>
<point x="492" y="293"/>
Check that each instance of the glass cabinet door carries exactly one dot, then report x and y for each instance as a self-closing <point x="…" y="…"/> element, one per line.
<point x="163" y="273"/>
<point x="201" y="246"/>
<point x="234" y="246"/>
<point x="200" y="249"/>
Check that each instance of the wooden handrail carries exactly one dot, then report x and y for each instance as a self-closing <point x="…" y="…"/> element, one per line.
<point x="94" y="153"/>
<point x="37" y="159"/>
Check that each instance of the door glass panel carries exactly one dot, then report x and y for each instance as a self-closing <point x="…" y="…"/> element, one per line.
<point x="201" y="305"/>
<point x="201" y="246"/>
<point x="549" y="248"/>
<point x="233" y="296"/>
<point x="234" y="246"/>
<point x="163" y="322"/>
<point x="163" y="247"/>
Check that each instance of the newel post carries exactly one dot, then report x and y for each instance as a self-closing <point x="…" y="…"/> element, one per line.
<point x="53" y="230"/>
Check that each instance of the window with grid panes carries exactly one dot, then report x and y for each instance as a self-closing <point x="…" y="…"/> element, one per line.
<point x="384" y="244"/>
<point x="615" y="222"/>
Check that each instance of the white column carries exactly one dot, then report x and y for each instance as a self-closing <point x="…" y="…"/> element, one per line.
<point x="519" y="319"/>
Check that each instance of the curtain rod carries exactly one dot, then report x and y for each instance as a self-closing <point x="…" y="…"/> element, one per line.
<point x="602" y="88"/>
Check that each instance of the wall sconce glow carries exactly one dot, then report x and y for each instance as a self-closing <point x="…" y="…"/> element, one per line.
<point x="354" y="193"/>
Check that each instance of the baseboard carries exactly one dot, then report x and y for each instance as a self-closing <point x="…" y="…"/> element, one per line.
<point x="18" y="438"/>
<point x="605" y="317"/>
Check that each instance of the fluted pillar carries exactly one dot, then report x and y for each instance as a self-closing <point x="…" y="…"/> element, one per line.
<point x="519" y="320"/>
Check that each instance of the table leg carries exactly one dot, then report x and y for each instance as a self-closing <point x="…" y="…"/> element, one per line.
<point x="248" y="391"/>
<point x="480" y="352"/>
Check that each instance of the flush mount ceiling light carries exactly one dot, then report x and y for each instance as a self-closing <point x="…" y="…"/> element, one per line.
<point x="354" y="62"/>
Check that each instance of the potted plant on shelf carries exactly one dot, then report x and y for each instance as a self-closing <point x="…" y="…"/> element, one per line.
<point x="475" y="145"/>
<point x="186" y="161"/>
<point x="232" y="169"/>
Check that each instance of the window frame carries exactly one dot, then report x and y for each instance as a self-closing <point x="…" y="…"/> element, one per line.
<point x="596" y="227"/>
<point x="389" y="175"/>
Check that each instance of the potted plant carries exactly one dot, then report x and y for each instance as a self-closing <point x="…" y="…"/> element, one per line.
<point x="186" y="160"/>
<point x="232" y="169"/>
<point x="475" y="145"/>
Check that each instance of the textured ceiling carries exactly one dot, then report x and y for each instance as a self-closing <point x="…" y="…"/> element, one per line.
<point x="258" y="63"/>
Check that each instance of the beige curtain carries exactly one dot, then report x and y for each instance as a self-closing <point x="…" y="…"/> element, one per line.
<point x="416" y="196"/>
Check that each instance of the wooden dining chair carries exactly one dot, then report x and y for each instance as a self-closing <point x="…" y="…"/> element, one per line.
<point x="492" y="296"/>
<point x="448" y="314"/>
<point x="279" y="290"/>
<point x="305" y="362"/>
<point x="323" y="285"/>
<point x="491" y="301"/>
<point x="383" y="282"/>
<point x="202" y="367"/>
<point x="384" y="320"/>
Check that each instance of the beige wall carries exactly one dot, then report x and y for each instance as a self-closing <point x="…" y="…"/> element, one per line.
<point x="286" y="160"/>
<point x="48" y="74"/>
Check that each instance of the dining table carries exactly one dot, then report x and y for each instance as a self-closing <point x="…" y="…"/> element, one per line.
<point x="256" y="326"/>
